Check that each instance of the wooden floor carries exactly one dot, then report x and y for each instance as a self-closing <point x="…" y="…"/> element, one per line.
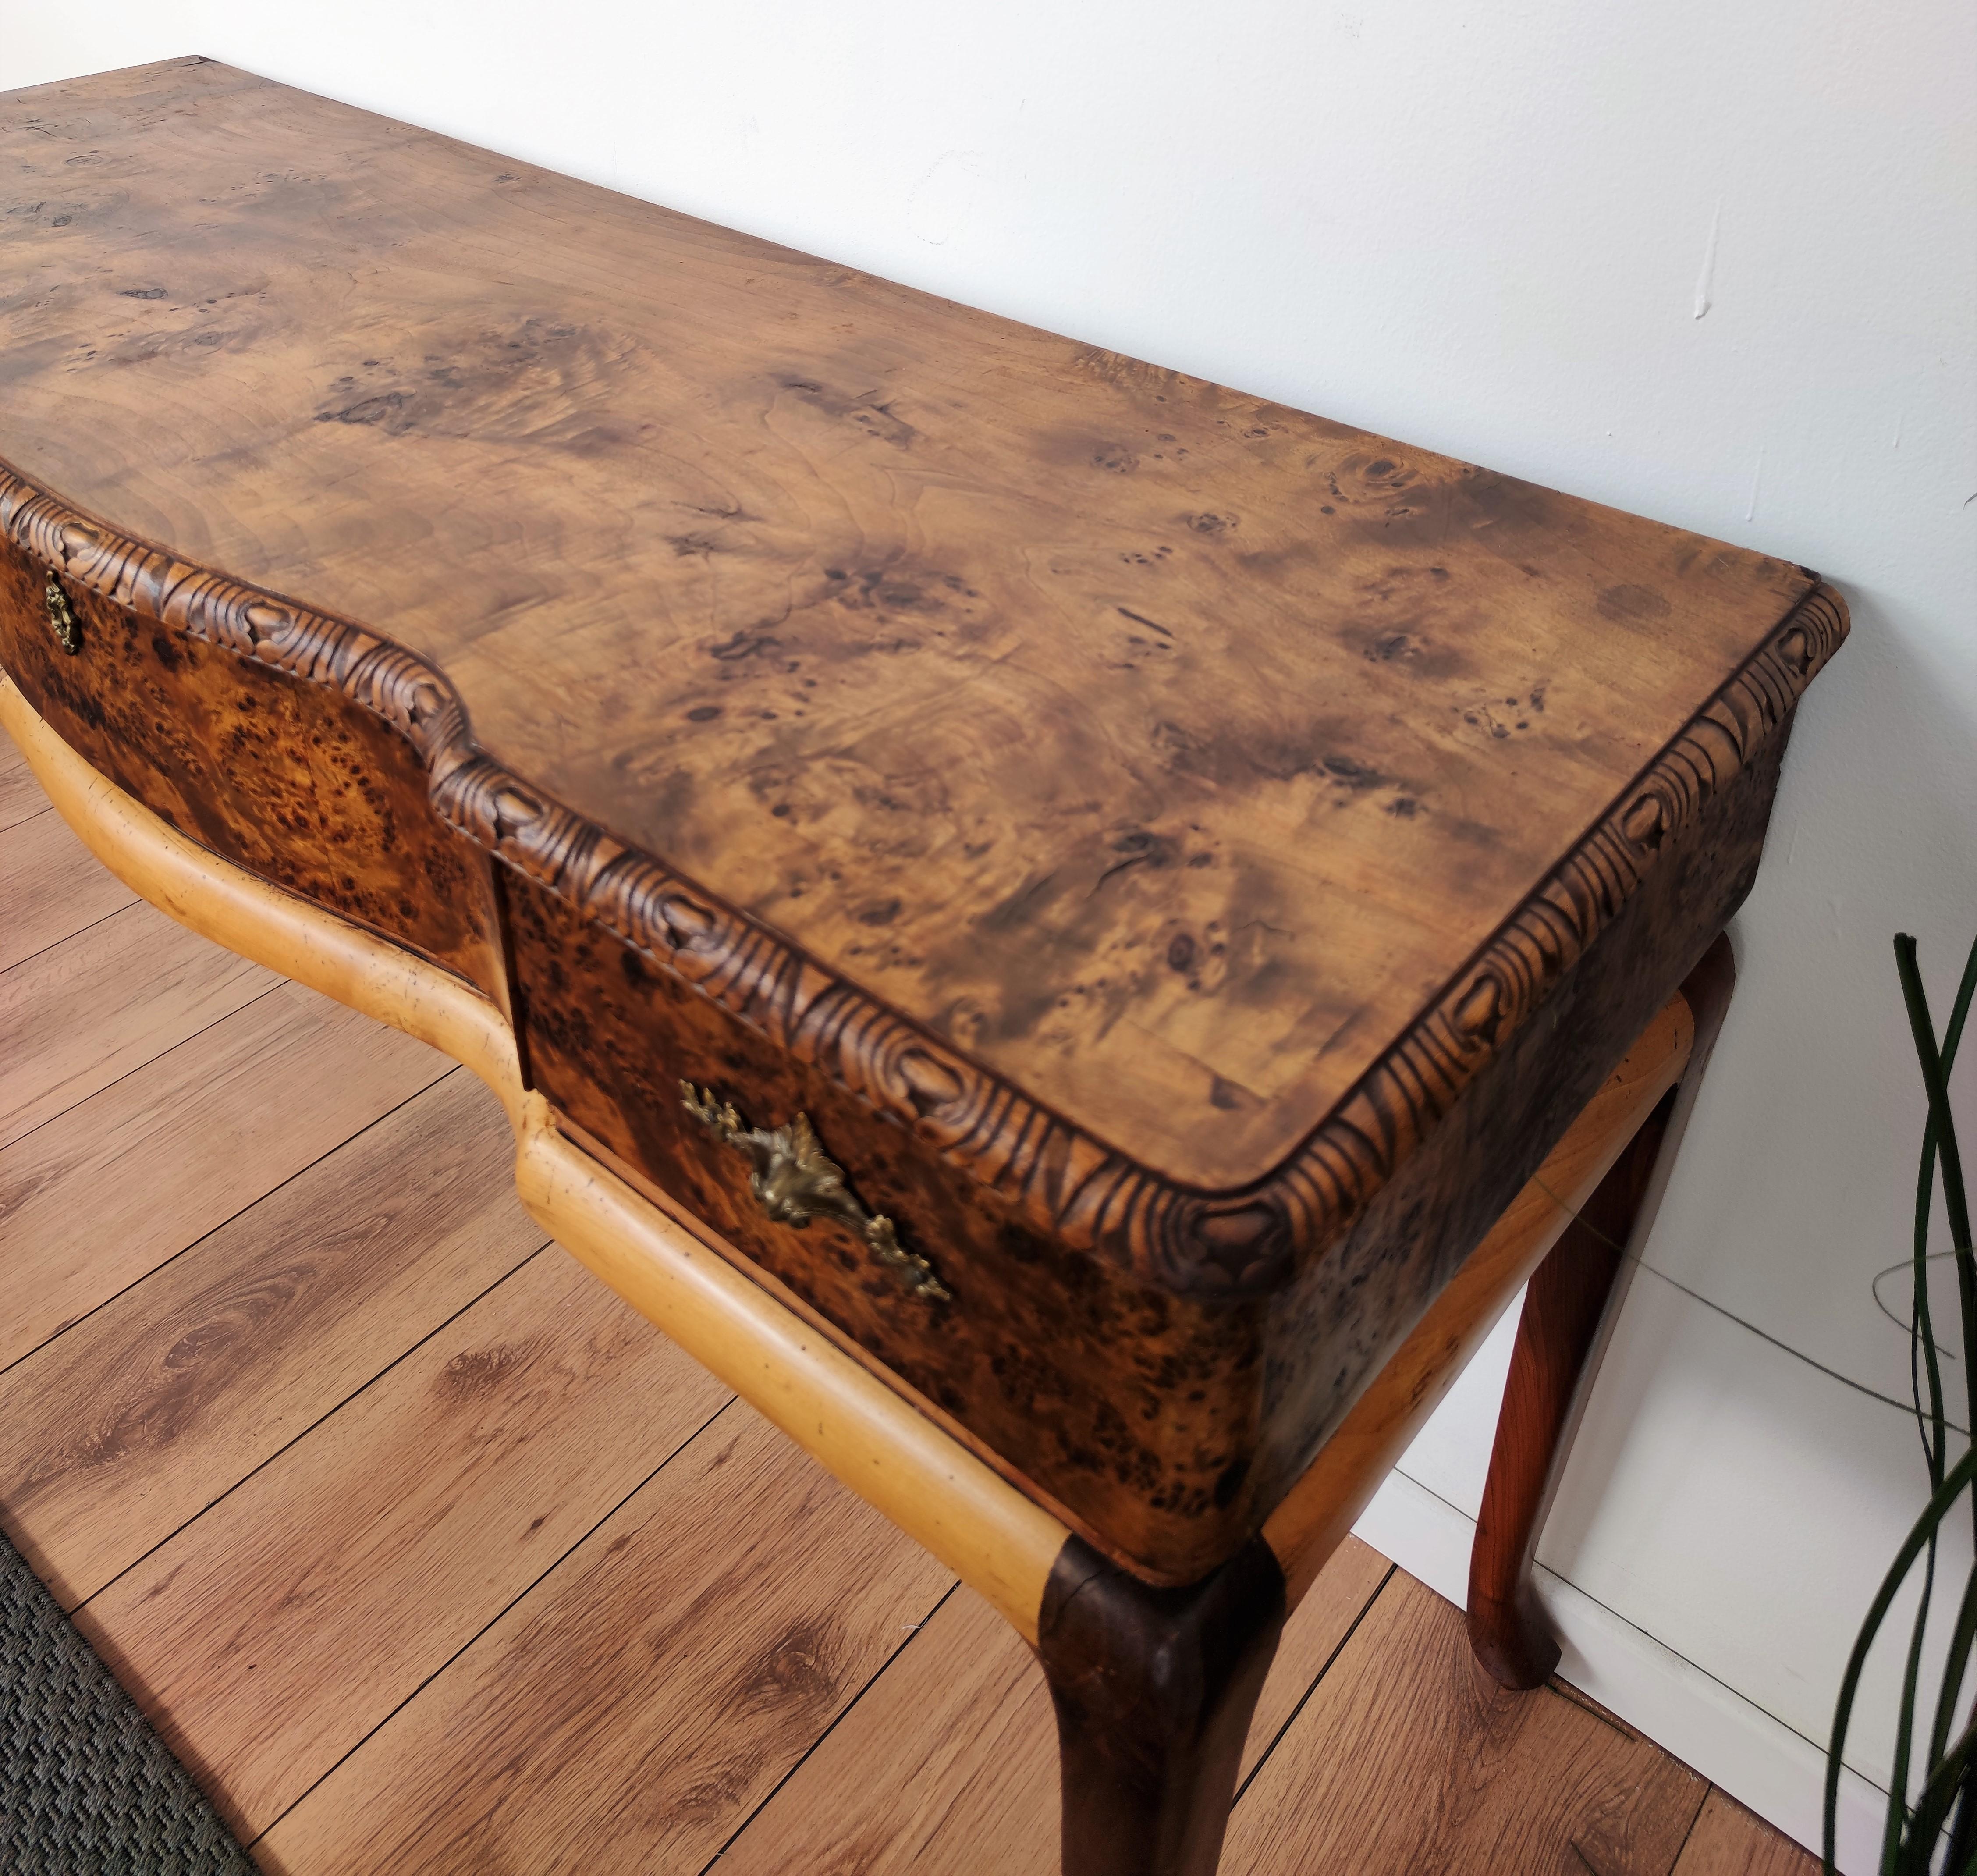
<point x="425" y="1554"/>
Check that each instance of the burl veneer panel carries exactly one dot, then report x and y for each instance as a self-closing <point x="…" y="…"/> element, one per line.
<point x="293" y="780"/>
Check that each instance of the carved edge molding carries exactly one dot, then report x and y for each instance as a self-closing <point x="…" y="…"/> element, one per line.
<point x="1224" y="1245"/>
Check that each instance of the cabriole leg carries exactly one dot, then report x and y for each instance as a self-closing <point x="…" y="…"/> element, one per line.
<point x="1154" y="1690"/>
<point x="1568" y="1317"/>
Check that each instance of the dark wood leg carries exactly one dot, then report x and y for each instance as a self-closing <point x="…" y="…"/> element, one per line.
<point x="1154" y="1690"/>
<point x="1568" y="1318"/>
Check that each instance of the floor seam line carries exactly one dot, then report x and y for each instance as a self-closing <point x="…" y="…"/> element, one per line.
<point x="1681" y="1848"/>
<point x="46" y="807"/>
<point x="57" y="944"/>
<point x="326" y="1414"/>
<point x="139" y="1068"/>
<point x="1290" y="1719"/>
<point x="186" y="1250"/>
<point x="803" y="1758"/>
<point x="527" y="1590"/>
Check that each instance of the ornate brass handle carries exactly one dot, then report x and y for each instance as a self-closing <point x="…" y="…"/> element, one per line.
<point x="61" y="616"/>
<point x="793" y="1182"/>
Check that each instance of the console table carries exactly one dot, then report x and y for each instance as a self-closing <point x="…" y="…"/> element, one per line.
<point x="1073" y="934"/>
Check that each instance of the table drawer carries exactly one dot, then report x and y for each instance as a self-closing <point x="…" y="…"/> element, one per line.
<point x="295" y="780"/>
<point x="1133" y="1410"/>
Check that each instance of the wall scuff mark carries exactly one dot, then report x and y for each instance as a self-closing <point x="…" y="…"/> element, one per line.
<point x="1705" y="281"/>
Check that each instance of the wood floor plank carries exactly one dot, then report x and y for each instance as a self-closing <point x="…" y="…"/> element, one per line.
<point x="51" y="886"/>
<point x="83" y="1014"/>
<point x="113" y="1186"/>
<point x="1343" y="1593"/>
<point x="1728" y="1841"/>
<point x="1408" y="1758"/>
<point x="117" y="1433"/>
<point x="949" y="1761"/>
<point x="271" y="1635"/>
<point x="633" y="1708"/>
<point x="21" y="794"/>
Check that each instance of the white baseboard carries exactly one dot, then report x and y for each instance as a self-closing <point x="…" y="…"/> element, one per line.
<point x="1761" y="1762"/>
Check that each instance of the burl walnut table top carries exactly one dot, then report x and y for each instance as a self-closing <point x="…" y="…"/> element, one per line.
<point x="1168" y="757"/>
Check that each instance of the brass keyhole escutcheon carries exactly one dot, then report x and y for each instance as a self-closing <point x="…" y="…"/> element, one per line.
<point x="61" y="616"/>
<point x="793" y="1181"/>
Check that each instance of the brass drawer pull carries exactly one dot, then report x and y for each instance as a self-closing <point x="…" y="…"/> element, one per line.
<point x="793" y="1182"/>
<point x="61" y="616"/>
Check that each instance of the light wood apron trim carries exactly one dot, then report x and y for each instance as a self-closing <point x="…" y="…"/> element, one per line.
<point x="1318" y="1511"/>
<point x="925" y="1481"/>
<point x="900" y="1462"/>
<point x="935" y="1490"/>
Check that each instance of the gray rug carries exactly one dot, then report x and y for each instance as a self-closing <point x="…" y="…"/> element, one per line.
<point x="86" y="1788"/>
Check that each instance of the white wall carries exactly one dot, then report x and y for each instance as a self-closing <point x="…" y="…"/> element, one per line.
<point x="1716" y="264"/>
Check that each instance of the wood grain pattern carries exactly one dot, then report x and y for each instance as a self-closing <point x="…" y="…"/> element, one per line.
<point x="962" y="1722"/>
<point x="1337" y="1326"/>
<point x="282" y="776"/>
<point x="274" y="1634"/>
<point x="1704" y="841"/>
<point x="1341" y="1593"/>
<point x="902" y="536"/>
<point x="705" y="1634"/>
<point x="1071" y="1182"/>
<point x="115" y="1434"/>
<point x="1728" y="1841"/>
<point x="50" y="887"/>
<point x="1090" y="1195"/>
<point x="75" y="1018"/>
<point x="224" y="1117"/>
<point x="1406" y="1757"/>
<point x="985" y="1797"/>
<point x="1194" y="858"/>
<point x="979" y="1531"/>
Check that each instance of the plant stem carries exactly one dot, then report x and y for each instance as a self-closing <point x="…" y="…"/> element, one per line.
<point x="1938" y="1507"/>
<point x="1910" y="1837"/>
<point x="1949" y="1159"/>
